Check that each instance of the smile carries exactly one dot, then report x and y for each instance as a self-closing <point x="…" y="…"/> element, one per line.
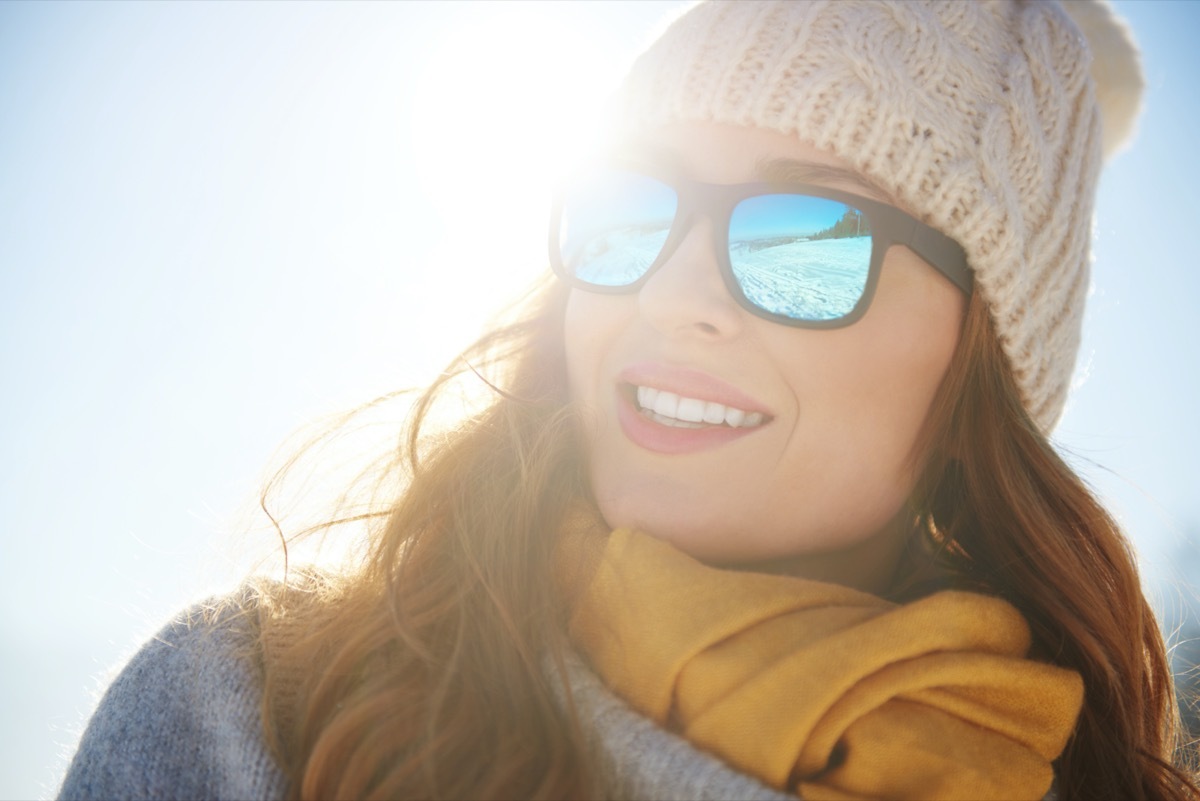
<point x="669" y="409"/>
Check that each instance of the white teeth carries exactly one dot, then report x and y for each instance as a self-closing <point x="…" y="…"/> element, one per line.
<point x="666" y="404"/>
<point x="691" y="410"/>
<point x="670" y="421"/>
<point x="670" y="409"/>
<point x="646" y="396"/>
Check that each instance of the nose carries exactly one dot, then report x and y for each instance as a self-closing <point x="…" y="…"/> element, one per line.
<point x="686" y="296"/>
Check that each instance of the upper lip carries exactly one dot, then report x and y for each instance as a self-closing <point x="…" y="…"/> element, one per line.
<point x="690" y="383"/>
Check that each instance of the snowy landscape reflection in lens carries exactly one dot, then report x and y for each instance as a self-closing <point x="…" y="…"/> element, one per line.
<point x="614" y="225"/>
<point x="799" y="256"/>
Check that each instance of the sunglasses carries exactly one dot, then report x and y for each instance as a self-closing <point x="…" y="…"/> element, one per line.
<point x="796" y="254"/>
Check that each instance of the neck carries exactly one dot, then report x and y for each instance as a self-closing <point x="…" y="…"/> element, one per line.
<point x="869" y="566"/>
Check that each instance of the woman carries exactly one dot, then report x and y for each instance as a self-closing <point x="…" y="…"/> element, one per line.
<point x="761" y="502"/>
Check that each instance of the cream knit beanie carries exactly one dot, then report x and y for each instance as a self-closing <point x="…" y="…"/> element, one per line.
<point x="983" y="118"/>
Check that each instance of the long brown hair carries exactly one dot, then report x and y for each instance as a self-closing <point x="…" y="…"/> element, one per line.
<point x="428" y="672"/>
<point x="1012" y="517"/>
<point x="423" y="674"/>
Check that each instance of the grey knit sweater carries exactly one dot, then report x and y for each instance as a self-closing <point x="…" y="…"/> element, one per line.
<point x="183" y="721"/>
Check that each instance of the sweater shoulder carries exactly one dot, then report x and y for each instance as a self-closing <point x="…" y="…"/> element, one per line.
<point x="183" y="719"/>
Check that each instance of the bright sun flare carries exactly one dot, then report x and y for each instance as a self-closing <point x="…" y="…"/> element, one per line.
<point x="505" y="101"/>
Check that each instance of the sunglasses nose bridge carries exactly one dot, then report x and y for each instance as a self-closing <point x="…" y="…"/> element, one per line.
<point x="686" y="221"/>
<point x="696" y="208"/>
<point x="691" y="217"/>
<point x="686" y="294"/>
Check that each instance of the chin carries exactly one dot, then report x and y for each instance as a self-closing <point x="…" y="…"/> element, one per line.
<point x="700" y="539"/>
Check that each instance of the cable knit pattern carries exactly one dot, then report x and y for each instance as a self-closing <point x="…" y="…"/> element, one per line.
<point x="980" y="117"/>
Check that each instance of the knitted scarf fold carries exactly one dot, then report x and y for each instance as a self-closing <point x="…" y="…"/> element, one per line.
<point x="816" y="688"/>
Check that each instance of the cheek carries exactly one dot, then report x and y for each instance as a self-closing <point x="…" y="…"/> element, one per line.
<point x="591" y="323"/>
<point x="864" y="392"/>
<point x="907" y="364"/>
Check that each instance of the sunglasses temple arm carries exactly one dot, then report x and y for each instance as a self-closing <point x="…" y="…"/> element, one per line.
<point x="946" y="255"/>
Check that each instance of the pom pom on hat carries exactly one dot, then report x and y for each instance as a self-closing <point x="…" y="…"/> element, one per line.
<point x="980" y="117"/>
<point x="1116" y="69"/>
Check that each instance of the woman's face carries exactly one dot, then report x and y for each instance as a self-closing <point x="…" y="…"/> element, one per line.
<point x="818" y="487"/>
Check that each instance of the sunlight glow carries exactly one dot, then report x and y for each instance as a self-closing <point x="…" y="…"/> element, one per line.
<point x="505" y="100"/>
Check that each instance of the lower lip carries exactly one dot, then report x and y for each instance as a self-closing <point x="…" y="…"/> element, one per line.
<point x="645" y="433"/>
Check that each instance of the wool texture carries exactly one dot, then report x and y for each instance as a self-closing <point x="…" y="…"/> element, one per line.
<point x="184" y="720"/>
<point x="817" y="688"/>
<point x="981" y="118"/>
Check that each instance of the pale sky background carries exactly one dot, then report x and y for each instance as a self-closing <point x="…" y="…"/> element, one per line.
<point x="219" y="222"/>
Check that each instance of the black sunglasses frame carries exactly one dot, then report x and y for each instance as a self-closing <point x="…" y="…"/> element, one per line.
<point x="888" y="225"/>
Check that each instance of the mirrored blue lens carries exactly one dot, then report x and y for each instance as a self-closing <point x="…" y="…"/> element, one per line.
<point x="614" y="224"/>
<point x="801" y="257"/>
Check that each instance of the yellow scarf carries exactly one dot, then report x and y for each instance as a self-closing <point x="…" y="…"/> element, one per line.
<point x="817" y="688"/>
